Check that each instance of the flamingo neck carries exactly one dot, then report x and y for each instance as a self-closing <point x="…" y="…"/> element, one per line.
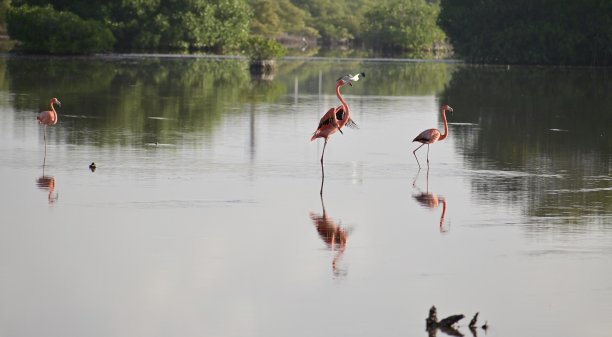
<point x="443" y="136"/>
<point x="344" y="104"/>
<point x="54" y="113"/>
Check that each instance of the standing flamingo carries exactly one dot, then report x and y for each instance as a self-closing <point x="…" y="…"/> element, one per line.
<point x="48" y="118"/>
<point x="336" y="118"/>
<point x="430" y="136"/>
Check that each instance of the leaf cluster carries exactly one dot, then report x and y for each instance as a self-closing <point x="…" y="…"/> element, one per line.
<point x="45" y="30"/>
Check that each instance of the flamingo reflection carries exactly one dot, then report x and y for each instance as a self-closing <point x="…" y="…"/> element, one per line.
<point x="46" y="182"/>
<point x="430" y="200"/>
<point x="333" y="234"/>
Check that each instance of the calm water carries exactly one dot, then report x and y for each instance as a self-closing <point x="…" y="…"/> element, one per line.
<point x="204" y="218"/>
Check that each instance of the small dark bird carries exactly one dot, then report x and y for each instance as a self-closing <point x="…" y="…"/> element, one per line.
<point x="92" y="166"/>
<point x="485" y="326"/>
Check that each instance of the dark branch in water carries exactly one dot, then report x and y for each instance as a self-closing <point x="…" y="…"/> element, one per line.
<point x="447" y="325"/>
<point x="473" y="321"/>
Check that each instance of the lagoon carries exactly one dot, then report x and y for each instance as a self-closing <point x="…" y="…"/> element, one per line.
<point x="203" y="216"/>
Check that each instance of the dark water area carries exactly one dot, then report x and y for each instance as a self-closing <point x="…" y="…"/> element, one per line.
<point x="203" y="215"/>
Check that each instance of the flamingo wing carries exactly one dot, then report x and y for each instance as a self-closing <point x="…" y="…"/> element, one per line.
<point x="428" y="136"/>
<point x="341" y="116"/>
<point x="340" y="113"/>
<point x="328" y="119"/>
<point x="46" y="117"/>
<point x="351" y="124"/>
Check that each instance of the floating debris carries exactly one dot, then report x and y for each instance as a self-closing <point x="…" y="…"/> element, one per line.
<point x="447" y="325"/>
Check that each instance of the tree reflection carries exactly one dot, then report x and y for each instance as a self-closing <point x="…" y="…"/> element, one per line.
<point x="539" y="138"/>
<point x="137" y="100"/>
<point x="334" y="235"/>
<point x="430" y="200"/>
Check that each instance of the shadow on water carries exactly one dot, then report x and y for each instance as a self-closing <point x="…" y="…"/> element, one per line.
<point x="430" y="200"/>
<point x="537" y="138"/>
<point x="334" y="235"/>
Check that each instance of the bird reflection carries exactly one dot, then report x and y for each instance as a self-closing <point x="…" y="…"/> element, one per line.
<point x="334" y="235"/>
<point x="46" y="182"/>
<point x="430" y="200"/>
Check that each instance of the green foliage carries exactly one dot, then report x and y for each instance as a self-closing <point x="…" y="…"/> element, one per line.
<point x="219" y="26"/>
<point x="408" y="25"/>
<point x="275" y="17"/>
<point x="560" y="32"/>
<point x="261" y="48"/>
<point x="328" y="18"/>
<point x="45" y="30"/>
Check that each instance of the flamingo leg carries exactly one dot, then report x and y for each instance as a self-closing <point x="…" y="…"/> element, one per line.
<point x="322" y="172"/>
<point x="427" y="155"/>
<point x="45" y="138"/>
<point x="323" y="154"/>
<point x="415" y="156"/>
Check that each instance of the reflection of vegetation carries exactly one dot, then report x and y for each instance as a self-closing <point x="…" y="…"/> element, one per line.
<point x="533" y="121"/>
<point x="143" y="100"/>
<point x="383" y="78"/>
<point x="123" y="94"/>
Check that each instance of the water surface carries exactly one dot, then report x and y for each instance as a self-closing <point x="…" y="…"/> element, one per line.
<point x="203" y="216"/>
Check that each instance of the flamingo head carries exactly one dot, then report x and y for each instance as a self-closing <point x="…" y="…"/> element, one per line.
<point x="56" y="101"/>
<point x="447" y="108"/>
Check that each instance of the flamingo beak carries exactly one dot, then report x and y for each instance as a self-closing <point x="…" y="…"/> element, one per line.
<point x="342" y="133"/>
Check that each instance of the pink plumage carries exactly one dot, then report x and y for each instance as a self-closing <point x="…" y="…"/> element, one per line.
<point x="334" y="119"/>
<point x="431" y="136"/>
<point x="428" y="136"/>
<point x="49" y="117"/>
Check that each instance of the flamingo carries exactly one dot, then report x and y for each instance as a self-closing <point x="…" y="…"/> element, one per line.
<point x="47" y="118"/>
<point x="336" y="118"/>
<point x="430" y="136"/>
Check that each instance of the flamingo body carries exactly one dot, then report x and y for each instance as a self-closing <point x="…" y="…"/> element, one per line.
<point x="49" y="117"/>
<point x="333" y="120"/>
<point x="428" y="136"/>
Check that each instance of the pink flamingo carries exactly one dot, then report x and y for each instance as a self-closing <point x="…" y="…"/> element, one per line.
<point x="47" y="118"/>
<point x="336" y="118"/>
<point x="430" y="136"/>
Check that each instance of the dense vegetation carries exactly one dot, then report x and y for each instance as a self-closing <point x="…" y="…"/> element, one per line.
<point x="43" y="29"/>
<point x="227" y="26"/>
<point x="564" y="32"/>
<point x="561" y="32"/>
